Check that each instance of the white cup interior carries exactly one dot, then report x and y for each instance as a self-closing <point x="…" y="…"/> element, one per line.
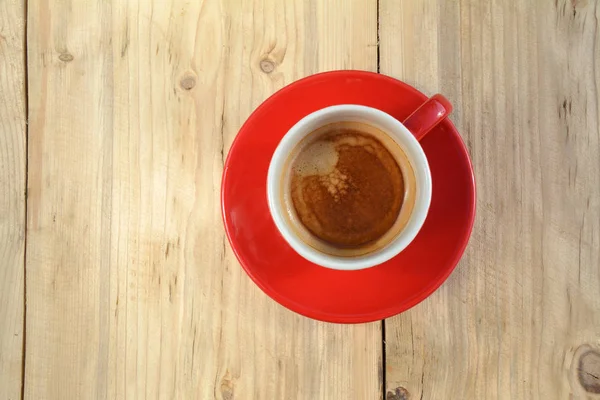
<point x="400" y="134"/>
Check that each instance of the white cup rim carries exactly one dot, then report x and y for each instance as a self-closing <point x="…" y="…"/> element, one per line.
<point x="400" y="134"/>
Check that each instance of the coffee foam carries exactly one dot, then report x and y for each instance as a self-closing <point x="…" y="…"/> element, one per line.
<point x="320" y="159"/>
<point x="316" y="157"/>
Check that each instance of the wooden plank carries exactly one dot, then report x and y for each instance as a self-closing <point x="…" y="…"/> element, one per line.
<point x="519" y="318"/>
<point x="13" y="159"/>
<point x="133" y="291"/>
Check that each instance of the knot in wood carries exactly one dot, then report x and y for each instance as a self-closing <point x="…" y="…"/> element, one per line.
<point x="588" y="371"/>
<point x="66" y="57"/>
<point x="188" y="81"/>
<point x="399" y="393"/>
<point x="267" y="66"/>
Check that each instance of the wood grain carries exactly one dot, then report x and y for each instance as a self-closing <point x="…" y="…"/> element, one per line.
<point x="12" y="195"/>
<point x="520" y="317"/>
<point x="132" y="289"/>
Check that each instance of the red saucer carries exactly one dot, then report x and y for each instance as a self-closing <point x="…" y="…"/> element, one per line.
<point x="345" y="296"/>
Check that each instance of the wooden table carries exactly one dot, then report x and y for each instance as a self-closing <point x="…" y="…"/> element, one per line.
<point x="116" y="280"/>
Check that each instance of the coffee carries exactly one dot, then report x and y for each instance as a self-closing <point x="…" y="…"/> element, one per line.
<point x="348" y="189"/>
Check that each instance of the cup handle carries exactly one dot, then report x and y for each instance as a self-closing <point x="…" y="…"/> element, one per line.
<point x="428" y="115"/>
